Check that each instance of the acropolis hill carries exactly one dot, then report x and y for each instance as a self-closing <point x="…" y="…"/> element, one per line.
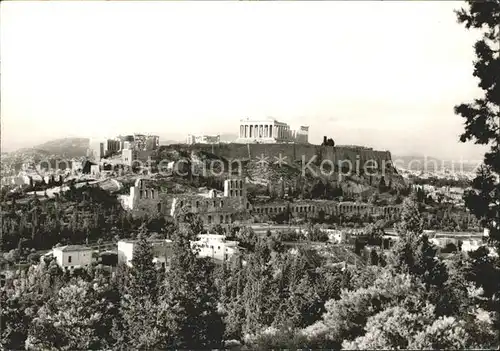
<point x="271" y="138"/>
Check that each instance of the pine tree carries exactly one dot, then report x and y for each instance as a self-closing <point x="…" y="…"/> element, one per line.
<point x="411" y="219"/>
<point x="139" y="303"/>
<point x="188" y="308"/>
<point x="78" y="317"/>
<point x="13" y="322"/>
<point x="282" y="190"/>
<point x="382" y="187"/>
<point x="482" y="117"/>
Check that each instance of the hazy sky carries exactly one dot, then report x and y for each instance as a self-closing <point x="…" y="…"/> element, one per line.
<point x="380" y="74"/>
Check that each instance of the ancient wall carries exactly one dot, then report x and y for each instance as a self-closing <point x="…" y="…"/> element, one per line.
<point x="292" y="152"/>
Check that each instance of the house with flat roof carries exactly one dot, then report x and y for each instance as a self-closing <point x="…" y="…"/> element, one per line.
<point x="73" y="256"/>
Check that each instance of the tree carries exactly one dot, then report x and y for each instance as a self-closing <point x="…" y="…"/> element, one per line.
<point x="282" y="190"/>
<point x="188" y="307"/>
<point x="345" y="319"/>
<point x="13" y="322"/>
<point x="374" y="198"/>
<point x="195" y="227"/>
<point x="218" y="229"/>
<point x="139" y="303"/>
<point x="247" y="238"/>
<point x="452" y="334"/>
<point x="79" y="317"/>
<point x="382" y="187"/>
<point x="482" y="116"/>
<point x="411" y="219"/>
<point x="401" y="328"/>
<point x="391" y="329"/>
<point x="316" y="234"/>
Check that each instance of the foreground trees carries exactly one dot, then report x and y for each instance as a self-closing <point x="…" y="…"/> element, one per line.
<point x="482" y="116"/>
<point x="188" y="306"/>
<point x="271" y="297"/>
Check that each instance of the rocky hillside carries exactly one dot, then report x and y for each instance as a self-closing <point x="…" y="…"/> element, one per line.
<point x="269" y="175"/>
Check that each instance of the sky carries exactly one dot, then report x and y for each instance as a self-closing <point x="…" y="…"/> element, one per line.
<point x="379" y="74"/>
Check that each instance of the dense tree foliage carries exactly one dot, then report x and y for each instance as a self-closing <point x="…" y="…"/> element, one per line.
<point x="482" y="116"/>
<point x="271" y="296"/>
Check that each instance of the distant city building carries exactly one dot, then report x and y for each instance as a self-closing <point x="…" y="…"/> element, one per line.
<point x="101" y="148"/>
<point x="129" y="155"/>
<point x="270" y="131"/>
<point x="152" y="142"/>
<point x="140" y="142"/>
<point x="202" y="139"/>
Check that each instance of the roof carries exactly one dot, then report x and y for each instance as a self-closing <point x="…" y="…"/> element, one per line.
<point x="152" y="241"/>
<point x="69" y="248"/>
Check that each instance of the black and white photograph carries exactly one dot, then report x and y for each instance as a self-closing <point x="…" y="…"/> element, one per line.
<point x="250" y="175"/>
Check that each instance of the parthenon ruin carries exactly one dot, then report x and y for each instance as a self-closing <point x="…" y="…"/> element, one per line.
<point x="270" y="131"/>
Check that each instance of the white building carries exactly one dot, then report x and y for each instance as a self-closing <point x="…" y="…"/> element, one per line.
<point x="162" y="251"/>
<point x="202" y="139"/>
<point x="471" y="245"/>
<point x="208" y="245"/>
<point x="99" y="148"/>
<point x="72" y="256"/>
<point x="215" y="246"/>
<point x="270" y="130"/>
<point x="335" y="236"/>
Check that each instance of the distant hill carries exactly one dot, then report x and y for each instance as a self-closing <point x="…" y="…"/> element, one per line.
<point x="62" y="148"/>
<point x="168" y="142"/>
<point x="228" y="137"/>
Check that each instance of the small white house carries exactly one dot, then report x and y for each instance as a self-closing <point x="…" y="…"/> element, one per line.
<point x="471" y="245"/>
<point x="162" y="250"/>
<point x="215" y="246"/>
<point x="335" y="236"/>
<point x="73" y="256"/>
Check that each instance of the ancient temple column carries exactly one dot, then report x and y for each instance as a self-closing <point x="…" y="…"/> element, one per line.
<point x="270" y="130"/>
